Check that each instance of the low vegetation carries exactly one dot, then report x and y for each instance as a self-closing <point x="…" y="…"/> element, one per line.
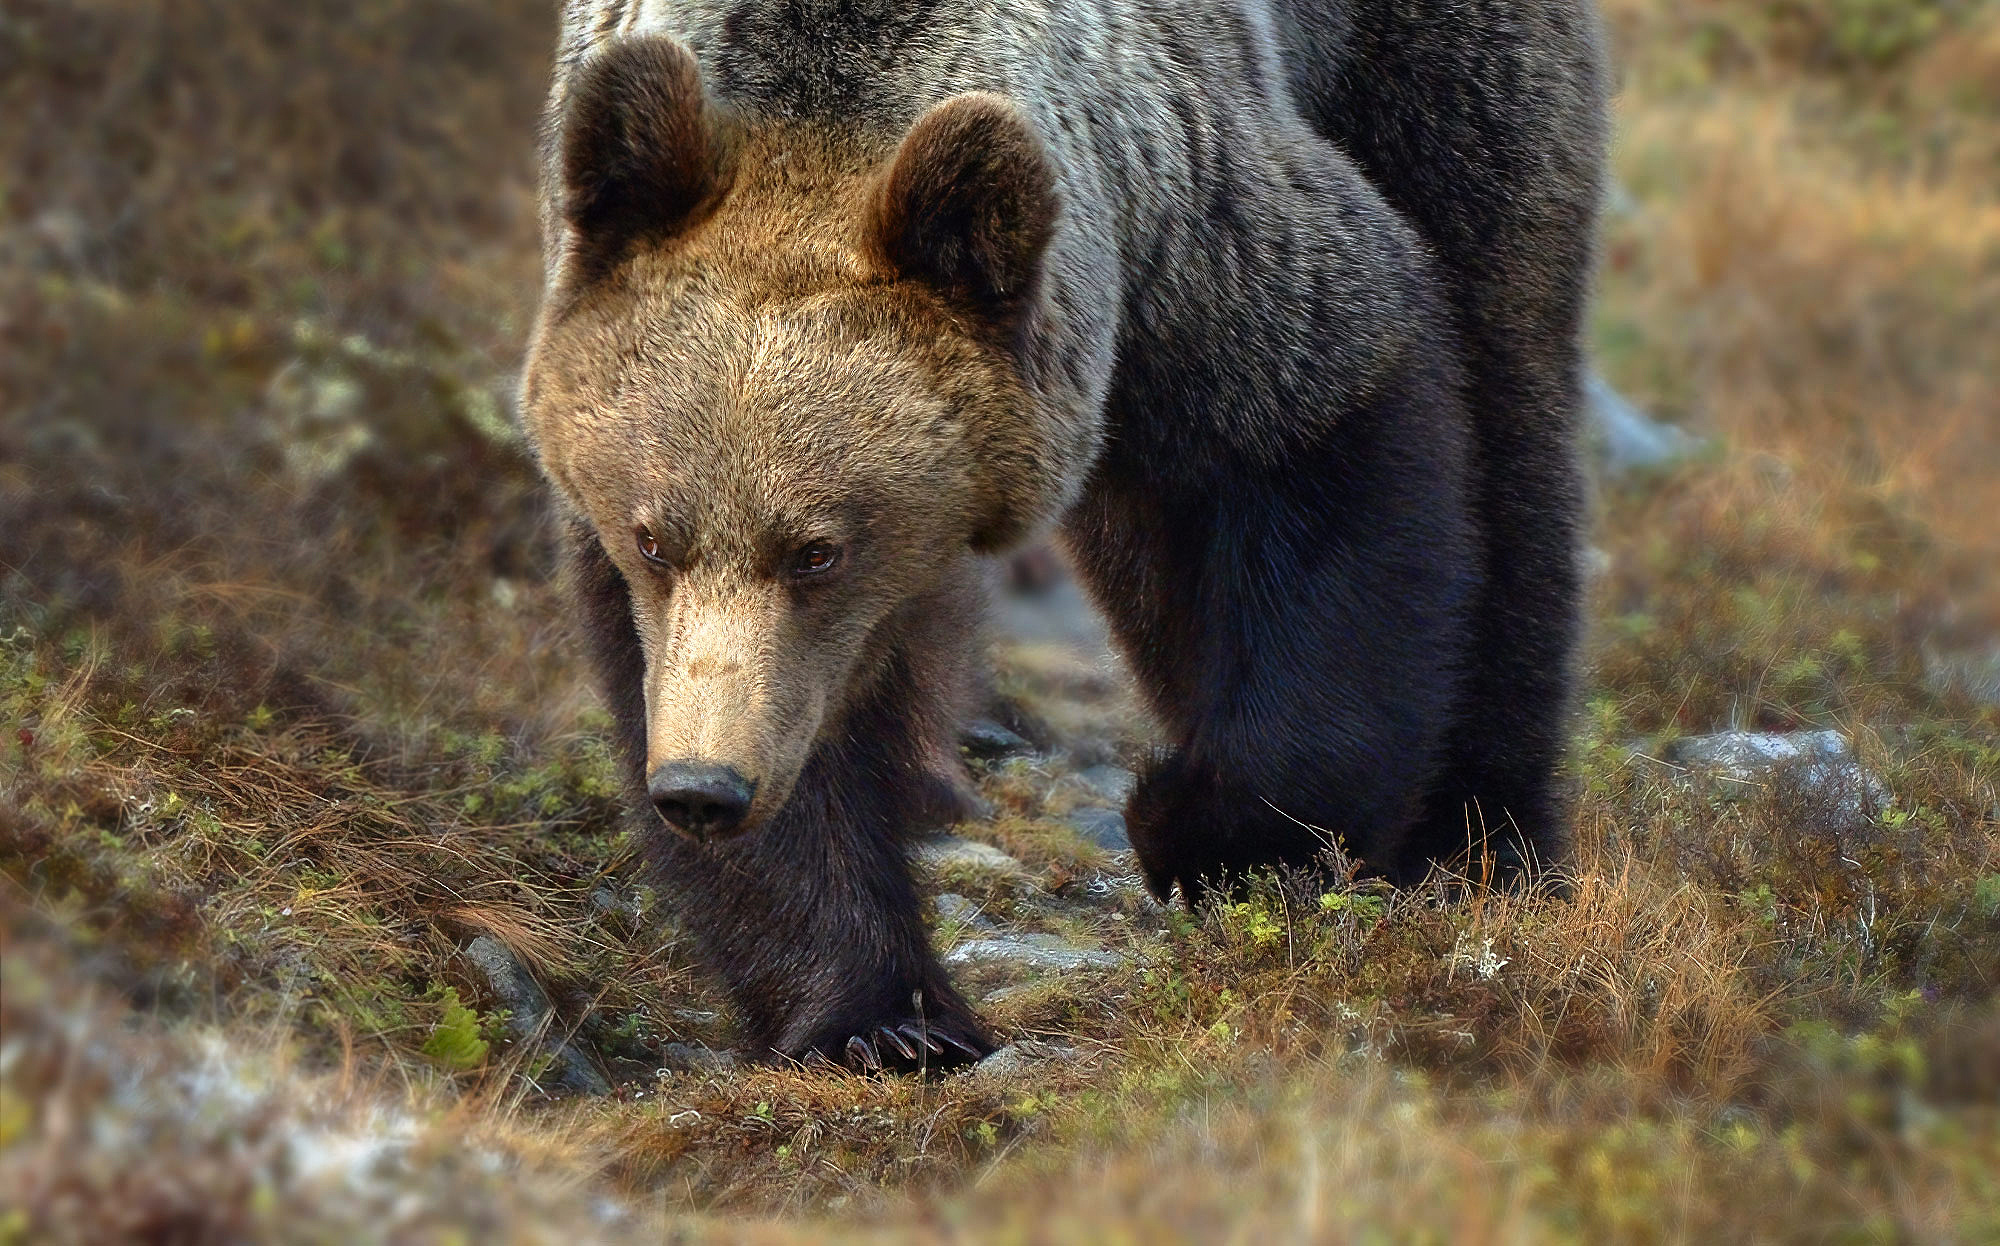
<point x="292" y="716"/>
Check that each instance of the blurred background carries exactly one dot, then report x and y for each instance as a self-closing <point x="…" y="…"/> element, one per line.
<point x="319" y="919"/>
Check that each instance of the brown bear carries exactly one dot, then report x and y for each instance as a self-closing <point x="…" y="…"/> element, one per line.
<point x="1270" y="308"/>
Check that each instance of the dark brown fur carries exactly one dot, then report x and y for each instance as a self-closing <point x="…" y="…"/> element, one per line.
<point x="642" y="154"/>
<point x="969" y="205"/>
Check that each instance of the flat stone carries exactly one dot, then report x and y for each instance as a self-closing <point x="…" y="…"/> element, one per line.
<point x="1113" y="890"/>
<point x="508" y="978"/>
<point x="1058" y="617"/>
<point x="1627" y="437"/>
<point x="532" y="1019"/>
<point x="1012" y="990"/>
<point x="1015" y="1059"/>
<point x="620" y="911"/>
<point x="1031" y="951"/>
<point x="989" y="741"/>
<point x="1618" y="199"/>
<point x="695" y="1058"/>
<point x="1970" y="673"/>
<point x="1757" y="750"/>
<point x="952" y="907"/>
<point x="1114" y="783"/>
<point x="1595" y="563"/>
<point x="1103" y="827"/>
<point x="941" y="852"/>
<point x="1738" y="763"/>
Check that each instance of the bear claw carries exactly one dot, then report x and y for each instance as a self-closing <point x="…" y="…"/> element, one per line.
<point x="901" y="1043"/>
<point x="919" y="1044"/>
<point x="861" y="1054"/>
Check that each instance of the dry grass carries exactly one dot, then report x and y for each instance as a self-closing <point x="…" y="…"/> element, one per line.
<point x="292" y="715"/>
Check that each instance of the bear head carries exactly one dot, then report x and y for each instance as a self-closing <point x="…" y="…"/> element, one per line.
<point x="778" y="375"/>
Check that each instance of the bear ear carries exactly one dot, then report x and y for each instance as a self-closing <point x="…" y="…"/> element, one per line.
<point x="969" y="204"/>
<point x="639" y="149"/>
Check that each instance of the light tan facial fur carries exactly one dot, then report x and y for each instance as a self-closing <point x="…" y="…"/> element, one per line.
<point x="751" y="383"/>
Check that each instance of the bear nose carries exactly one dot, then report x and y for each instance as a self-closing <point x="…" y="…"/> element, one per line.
<point x="699" y="799"/>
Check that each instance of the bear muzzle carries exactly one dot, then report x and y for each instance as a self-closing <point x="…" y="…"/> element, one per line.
<point x="701" y="800"/>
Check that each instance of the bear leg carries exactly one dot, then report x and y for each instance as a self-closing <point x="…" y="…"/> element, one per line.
<point x="812" y="922"/>
<point x="1500" y="813"/>
<point x="1304" y="642"/>
<point x="814" y="925"/>
<point x="1193" y="828"/>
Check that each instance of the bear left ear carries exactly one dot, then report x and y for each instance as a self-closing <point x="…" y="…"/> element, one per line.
<point x="969" y="205"/>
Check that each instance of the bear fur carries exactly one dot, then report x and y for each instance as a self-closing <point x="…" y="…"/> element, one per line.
<point x="1270" y="308"/>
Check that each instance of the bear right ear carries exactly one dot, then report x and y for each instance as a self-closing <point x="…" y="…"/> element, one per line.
<point x="639" y="149"/>
<point x="968" y="205"/>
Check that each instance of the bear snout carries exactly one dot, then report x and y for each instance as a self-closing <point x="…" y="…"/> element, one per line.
<point x="700" y="799"/>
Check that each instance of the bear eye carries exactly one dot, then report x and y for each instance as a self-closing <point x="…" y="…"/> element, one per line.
<point x="816" y="559"/>
<point x="649" y="546"/>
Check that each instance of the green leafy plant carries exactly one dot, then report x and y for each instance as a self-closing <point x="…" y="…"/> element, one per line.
<point x="455" y="1041"/>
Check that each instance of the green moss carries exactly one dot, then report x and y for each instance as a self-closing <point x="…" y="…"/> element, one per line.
<point x="1986" y="895"/>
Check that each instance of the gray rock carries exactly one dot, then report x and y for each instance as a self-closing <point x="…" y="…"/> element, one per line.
<point x="952" y="907"/>
<point x="1015" y="1059"/>
<point x="1013" y="990"/>
<point x="1618" y="199"/>
<point x="695" y="1058"/>
<point x="621" y="912"/>
<point x="509" y="980"/>
<point x="1103" y="827"/>
<point x="977" y="808"/>
<point x="1031" y="951"/>
<point x="1114" y="783"/>
<point x="1058" y="615"/>
<point x="1738" y="763"/>
<point x="1627" y="437"/>
<point x="1757" y="750"/>
<point x="1114" y="890"/>
<point x="1970" y="673"/>
<point x="989" y="741"/>
<point x="531" y="1018"/>
<point x="940" y="852"/>
<point x="1594" y="562"/>
<point x="318" y="413"/>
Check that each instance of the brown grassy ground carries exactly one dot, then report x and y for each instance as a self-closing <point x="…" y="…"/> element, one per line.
<point x="291" y="715"/>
